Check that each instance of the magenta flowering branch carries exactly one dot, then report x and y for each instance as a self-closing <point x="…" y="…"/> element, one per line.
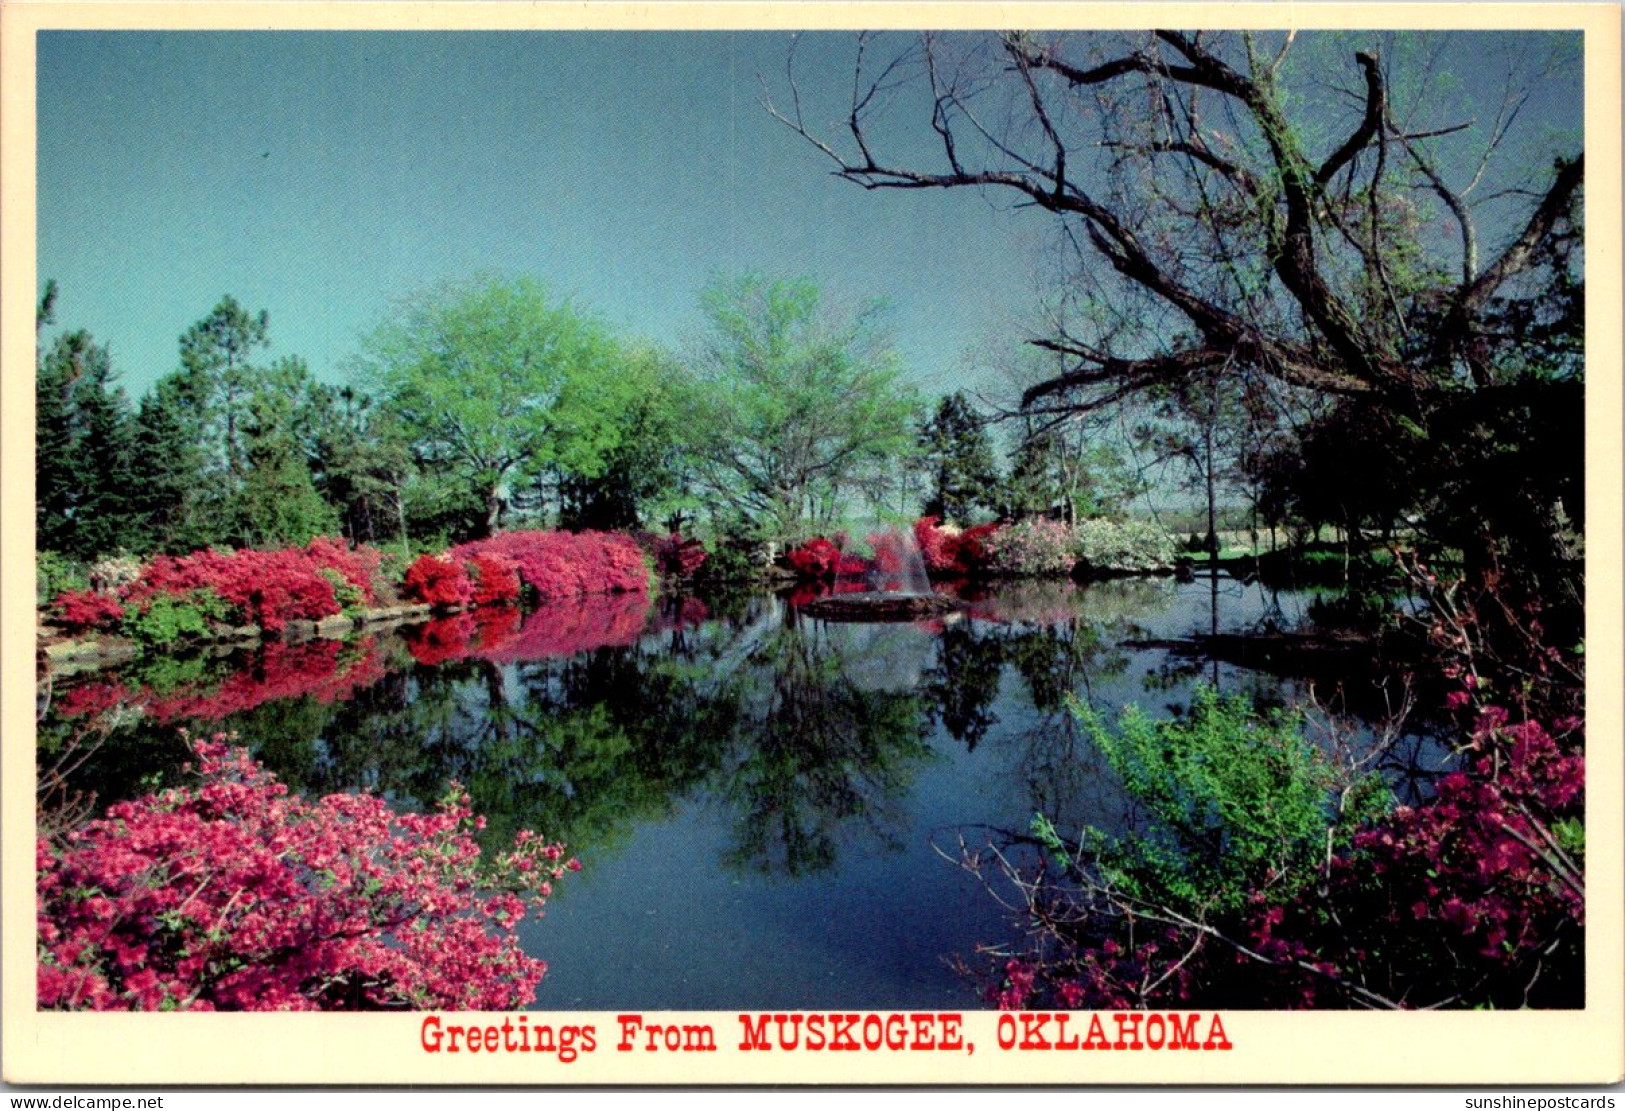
<point x="233" y="894"/>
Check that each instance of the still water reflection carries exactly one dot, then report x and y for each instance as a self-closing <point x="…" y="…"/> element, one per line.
<point x="767" y="807"/>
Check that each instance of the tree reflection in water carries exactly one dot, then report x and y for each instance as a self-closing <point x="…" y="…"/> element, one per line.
<point x="593" y="718"/>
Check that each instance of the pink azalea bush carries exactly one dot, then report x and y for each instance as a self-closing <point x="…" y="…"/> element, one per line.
<point x="1475" y="898"/>
<point x="1034" y="546"/>
<point x="556" y="565"/>
<point x="233" y="894"/>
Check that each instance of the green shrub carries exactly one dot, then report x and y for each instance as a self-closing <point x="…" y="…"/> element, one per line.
<point x="56" y="574"/>
<point x="351" y="599"/>
<point x="733" y="560"/>
<point x="166" y="619"/>
<point x="1239" y="802"/>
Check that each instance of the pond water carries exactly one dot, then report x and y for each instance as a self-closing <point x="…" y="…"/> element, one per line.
<point x="769" y="810"/>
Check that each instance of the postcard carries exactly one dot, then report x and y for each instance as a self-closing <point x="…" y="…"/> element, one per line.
<point x="845" y="544"/>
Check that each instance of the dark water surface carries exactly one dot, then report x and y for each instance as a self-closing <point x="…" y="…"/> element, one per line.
<point x="769" y="810"/>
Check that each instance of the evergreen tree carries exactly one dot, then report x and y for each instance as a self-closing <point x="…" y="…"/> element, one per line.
<point x="958" y="459"/>
<point x="361" y="462"/>
<point x="215" y="359"/>
<point x="1032" y="488"/>
<point x="169" y="449"/>
<point x="83" y="476"/>
<point x="277" y="504"/>
<point x="106" y="519"/>
<point x="54" y="443"/>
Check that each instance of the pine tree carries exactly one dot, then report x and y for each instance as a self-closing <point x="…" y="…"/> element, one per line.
<point x="360" y="462"/>
<point x="106" y="519"/>
<point x="277" y="504"/>
<point x="215" y="358"/>
<point x="959" y="461"/>
<point x="83" y="477"/>
<point x="168" y="451"/>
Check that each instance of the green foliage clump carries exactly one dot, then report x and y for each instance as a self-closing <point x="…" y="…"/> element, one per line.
<point x="56" y="574"/>
<point x="733" y="561"/>
<point x="352" y="601"/>
<point x="1240" y="802"/>
<point x="168" y="618"/>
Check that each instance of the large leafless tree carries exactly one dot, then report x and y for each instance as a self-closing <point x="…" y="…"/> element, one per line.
<point x="1233" y="208"/>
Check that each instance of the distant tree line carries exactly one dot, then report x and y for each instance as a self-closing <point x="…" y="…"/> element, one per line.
<point x="493" y="402"/>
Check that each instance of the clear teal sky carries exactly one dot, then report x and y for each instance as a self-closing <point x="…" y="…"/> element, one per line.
<point x="320" y="176"/>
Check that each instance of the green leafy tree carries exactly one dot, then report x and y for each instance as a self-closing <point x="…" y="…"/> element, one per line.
<point x="805" y="405"/>
<point x="645" y="475"/>
<point x="957" y="456"/>
<point x="495" y="381"/>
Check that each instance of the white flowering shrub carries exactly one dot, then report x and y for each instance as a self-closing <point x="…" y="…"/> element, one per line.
<point x="1103" y="544"/>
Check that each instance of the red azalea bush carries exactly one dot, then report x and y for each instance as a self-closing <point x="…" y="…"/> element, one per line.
<point x="563" y="564"/>
<point x="972" y="551"/>
<point x="79" y="610"/>
<point x="442" y="583"/>
<point x="815" y="559"/>
<point x="267" y="589"/>
<point x="495" y="577"/>
<point x="234" y="894"/>
<point x="675" y="555"/>
<point x="445" y="638"/>
<point x="820" y="558"/>
<point x="954" y="552"/>
<point x="357" y="565"/>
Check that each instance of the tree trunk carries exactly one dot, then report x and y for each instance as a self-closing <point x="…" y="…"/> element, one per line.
<point x="493" y="511"/>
